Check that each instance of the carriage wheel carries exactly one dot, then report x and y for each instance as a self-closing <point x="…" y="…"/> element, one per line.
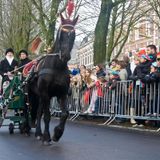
<point x="11" y="128"/>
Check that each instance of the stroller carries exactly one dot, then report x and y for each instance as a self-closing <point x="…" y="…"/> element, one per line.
<point x="13" y="107"/>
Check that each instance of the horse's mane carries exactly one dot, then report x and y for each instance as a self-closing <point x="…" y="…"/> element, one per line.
<point x="56" y="47"/>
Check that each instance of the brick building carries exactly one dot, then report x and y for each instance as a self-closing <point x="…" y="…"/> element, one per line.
<point x="144" y="33"/>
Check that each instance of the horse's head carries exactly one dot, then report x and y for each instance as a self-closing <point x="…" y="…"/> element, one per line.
<point x="65" y="38"/>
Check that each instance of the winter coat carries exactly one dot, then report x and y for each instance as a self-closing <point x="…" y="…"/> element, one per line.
<point x="151" y="78"/>
<point x="129" y="72"/>
<point x="141" y="70"/>
<point x="123" y="75"/>
<point x="6" y="67"/>
<point x="23" y="62"/>
<point x="152" y="57"/>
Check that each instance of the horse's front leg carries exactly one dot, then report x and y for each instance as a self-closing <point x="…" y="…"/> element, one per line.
<point x="38" y="133"/>
<point x="58" y="130"/>
<point x="47" y="117"/>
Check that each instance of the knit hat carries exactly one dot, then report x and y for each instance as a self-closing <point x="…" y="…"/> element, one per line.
<point x="23" y="51"/>
<point x="9" y="50"/>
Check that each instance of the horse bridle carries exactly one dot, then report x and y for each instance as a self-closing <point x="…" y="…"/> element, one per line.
<point x="67" y="30"/>
<point x="59" y="34"/>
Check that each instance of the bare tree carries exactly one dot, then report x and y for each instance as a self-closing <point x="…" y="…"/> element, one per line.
<point x="16" y="25"/>
<point x="123" y="20"/>
<point x="22" y="21"/>
<point x="89" y="12"/>
<point x="155" y="5"/>
<point x="45" y="13"/>
<point x="115" y="22"/>
<point x="102" y="28"/>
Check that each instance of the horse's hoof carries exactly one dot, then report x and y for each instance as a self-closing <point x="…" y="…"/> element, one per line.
<point x="38" y="138"/>
<point x="58" y="132"/>
<point x="27" y="134"/>
<point x="55" y="139"/>
<point x="46" y="143"/>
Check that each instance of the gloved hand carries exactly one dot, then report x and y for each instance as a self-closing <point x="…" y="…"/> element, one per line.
<point x="133" y="78"/>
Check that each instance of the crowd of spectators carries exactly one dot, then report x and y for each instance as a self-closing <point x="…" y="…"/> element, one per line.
<point x="143" y="66"/>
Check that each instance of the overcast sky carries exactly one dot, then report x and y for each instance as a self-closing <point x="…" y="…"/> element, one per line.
<point x="88" y="14"/>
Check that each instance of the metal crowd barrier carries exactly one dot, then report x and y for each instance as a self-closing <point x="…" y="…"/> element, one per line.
<point x="127" y="100"/>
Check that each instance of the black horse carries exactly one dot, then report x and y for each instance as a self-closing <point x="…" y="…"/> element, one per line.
<point x="53" y="80"/>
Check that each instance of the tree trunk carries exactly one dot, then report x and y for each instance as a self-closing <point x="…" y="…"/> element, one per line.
<point x="112" y="34"/>
<point x="52" y="23"/>
<point x="101" y="32"/>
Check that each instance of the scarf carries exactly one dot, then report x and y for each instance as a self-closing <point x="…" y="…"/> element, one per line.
<point x="9" y="59"/>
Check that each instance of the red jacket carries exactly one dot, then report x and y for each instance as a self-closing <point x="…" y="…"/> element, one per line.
<point x="99" y="89"/>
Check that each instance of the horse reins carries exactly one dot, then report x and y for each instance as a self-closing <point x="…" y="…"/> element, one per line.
<point x="50" y="54"/>
<point x="65" y="30"/>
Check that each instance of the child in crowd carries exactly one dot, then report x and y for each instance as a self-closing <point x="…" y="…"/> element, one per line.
<point x="123" y="75"/>
<point x="113" y="65"/>
<point x="74" y="89"/>
<point x="111" y="87"/>
<point x="90" y="83"/>
<point x="97" y="92"/>
<point x="153" y="76"/>
<point x="113" y="78"/>
<point x="99" y="86"/>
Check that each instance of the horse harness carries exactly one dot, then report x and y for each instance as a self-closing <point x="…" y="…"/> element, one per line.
<point x="42" y="61"/>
